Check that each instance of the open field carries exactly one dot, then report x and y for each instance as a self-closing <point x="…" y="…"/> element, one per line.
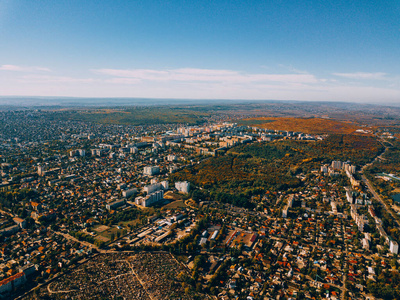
<point x="102" y="238"/>
<point x="100" y="228"/>
<point x="173" y="196"/>
<point x="132" y="223"/>
<point x="175" y="204"/>
<point x="111" y="231"/>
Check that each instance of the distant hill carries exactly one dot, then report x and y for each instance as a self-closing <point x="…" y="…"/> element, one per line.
<point x="306" y="125"/>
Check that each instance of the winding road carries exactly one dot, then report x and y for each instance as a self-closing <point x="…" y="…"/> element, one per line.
<point x="372" y="189"/>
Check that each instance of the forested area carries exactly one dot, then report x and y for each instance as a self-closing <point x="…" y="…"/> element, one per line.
<point x="310" y="125"/>
<point x="137" y="115"/>
<point x="390" y="164"/>
<point x="248" y="170"/>
<point x="16" y="200"/>
<point x="386" y="286"/>
<point x="358" y="149"/>
<point x="235" y="178"/>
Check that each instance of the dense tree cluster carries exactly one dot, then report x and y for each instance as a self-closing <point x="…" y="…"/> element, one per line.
<point x="248" y="170"/>
<point x="389" y="165"/>
<point x="386" y="286"/>
<point x="138" y="115"/>
<point x="15" y="200"/>
<point x="359" y="149"/>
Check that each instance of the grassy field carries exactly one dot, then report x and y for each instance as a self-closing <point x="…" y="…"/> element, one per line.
<point x="107" y="234"/>
<point x="173" y="196"/>
<point x="133" y="223"/>
<point x="175" y="204"/>
<point x="100" y="228"/>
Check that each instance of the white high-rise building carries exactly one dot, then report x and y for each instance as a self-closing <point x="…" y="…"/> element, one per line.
<point x="128" y="193"/>
<point x="165" y="184"/>
<point x="134" y="150"/>
<point x="150" y="199"/>
<point x="394" y="247"/>
<point x="41" y="170"/>
<point x="151" y="188"/>
<point x="151" y="170"/>
<point x="353" y="169"/>
<point x="182" y="186"/>
<point x="336" y="165"/>
<point x="77" y="152"/>
<point x="171" y="157"/>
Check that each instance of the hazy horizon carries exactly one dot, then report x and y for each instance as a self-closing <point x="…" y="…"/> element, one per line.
<point x="96" y="102"/>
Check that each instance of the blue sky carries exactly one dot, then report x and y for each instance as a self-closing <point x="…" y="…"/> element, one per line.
<point x="297" y="50"/>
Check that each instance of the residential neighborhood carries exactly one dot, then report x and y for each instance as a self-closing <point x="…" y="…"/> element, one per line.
<point x="95" y="202"/>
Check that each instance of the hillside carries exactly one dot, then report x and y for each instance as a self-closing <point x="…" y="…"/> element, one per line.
<point x="306" y="125"/>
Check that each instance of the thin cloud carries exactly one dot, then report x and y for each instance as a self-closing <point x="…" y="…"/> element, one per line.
<point x="55" y="79"/>
<point x="292" y="69"/>
<point x="205" y="75"/>
<point x="123" y="80"/>
<point x="201" y="84"/>
<point x="362" y="75"/>
<point x="15" y="68"/>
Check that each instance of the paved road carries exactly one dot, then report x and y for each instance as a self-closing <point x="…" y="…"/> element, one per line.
<point x="57" y="292"/>
<point x="71" y="238"/>
<point x="372" y="189"/>
<point x="7" y="213"/>
<point x="378" y="197"/>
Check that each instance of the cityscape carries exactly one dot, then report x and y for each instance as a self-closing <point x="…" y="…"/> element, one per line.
<point x="220" y="210"/>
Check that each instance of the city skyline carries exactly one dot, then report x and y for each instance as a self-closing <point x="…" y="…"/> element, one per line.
<point x="205" y="50"/>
